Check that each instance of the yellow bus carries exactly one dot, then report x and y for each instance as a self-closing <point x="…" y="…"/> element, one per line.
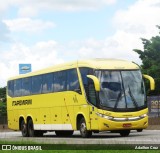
<point x="89" y="96"/>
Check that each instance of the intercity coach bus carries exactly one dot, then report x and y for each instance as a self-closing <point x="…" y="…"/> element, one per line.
<point x="89" y="96"/>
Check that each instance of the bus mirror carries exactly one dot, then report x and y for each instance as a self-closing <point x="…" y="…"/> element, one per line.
<point x="151" y="80"/>
<point x="96" y="82"/>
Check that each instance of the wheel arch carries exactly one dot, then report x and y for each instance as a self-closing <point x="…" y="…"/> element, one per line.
<point x="21" y="118"/>
<point x="78" y="118"/>
<point x="29" y="117"/>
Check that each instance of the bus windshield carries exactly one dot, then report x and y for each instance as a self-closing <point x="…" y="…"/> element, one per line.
<point x="121" y="89"/>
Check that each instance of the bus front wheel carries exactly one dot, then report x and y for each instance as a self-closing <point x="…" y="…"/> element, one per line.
<point x="83" y="129"/>
<point x="124" y="133"/>
<point x="24" y="129"/>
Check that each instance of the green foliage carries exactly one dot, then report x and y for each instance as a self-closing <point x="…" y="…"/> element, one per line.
<point x="3" y="92"/>
<point x="3" y="108"/>
<point x="150" y="56"/>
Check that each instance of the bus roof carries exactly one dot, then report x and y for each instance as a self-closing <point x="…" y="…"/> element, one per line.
<point x="110" y="64"/>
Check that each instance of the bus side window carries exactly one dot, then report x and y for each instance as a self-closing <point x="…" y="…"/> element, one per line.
<point x="72" y="81"/>
<point x="47" y="85"/>
<point x="17" y="88"/>
<point x="26" y="86"/>
<point x="84" y="72"/>
<point x="60" y="81"/>
<point x="91" y="92"/>
<point x="11" y="88"/>
<point x="36" y="84"/>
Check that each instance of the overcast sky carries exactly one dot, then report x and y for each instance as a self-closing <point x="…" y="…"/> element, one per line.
<point x="47" y="32"/>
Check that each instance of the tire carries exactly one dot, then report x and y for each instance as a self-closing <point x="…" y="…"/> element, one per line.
<point x="124" y="133"/>
<point x="83" y="129"/>
<point x="24" y="129"/>
<point x="139" y="130"/>
<point x="31" y="132"/>
<point x="64" y="133"/>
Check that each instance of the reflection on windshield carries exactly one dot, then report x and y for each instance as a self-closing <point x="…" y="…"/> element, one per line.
<point x="121" y="89"/>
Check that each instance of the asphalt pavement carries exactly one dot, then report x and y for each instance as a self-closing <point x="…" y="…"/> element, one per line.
<point x="144" y="137"/>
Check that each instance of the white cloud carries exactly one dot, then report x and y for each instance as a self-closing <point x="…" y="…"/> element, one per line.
<point x="139" y="18"/>
<point x="131" y="24"/>
<point x="137" y="21"/>
<point x="4" y="32"/>
<point x="27" y="11"/>
<point x="73" y="5"/>
<point x="40" y="55"/>
<point x="29" y="8"/>
<point x="111" y="47"/>
<point x="28" y="25"/>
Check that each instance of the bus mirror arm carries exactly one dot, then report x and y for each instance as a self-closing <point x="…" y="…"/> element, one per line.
<point x="96" y="82"/>
<point x="151" y="80"/>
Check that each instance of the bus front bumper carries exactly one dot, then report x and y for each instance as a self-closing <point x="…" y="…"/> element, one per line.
<point x="109" y="125"/>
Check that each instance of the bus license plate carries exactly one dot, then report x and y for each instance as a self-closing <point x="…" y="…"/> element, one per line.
<point x="127" y="125"/>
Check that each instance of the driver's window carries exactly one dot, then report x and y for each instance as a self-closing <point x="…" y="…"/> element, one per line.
<point x="88" y="85"/>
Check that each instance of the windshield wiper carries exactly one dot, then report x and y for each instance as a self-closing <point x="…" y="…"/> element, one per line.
<point x="118" y="98"/>
<point x="132" y="97"/>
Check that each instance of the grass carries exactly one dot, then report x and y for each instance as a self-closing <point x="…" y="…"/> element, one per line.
<point x="82" y="151"/>
<point x="64" y="148"/>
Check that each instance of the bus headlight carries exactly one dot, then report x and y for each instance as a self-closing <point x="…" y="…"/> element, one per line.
<point x="121" y="118"/>
<point x="142" y="116"/>
<point x="104" y="116"/>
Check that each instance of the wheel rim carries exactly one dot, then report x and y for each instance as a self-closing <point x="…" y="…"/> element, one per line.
<point x="83" y="128"/>
<point x="30" y="130"/>
<point x="24" y="129"/>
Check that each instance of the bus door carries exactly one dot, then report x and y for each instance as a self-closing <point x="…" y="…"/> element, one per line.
<point x="93" y="118"/>
<point x="92" y="98"/>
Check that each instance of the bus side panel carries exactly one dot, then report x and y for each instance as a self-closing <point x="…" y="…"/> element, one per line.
<point x="56" y="118"/>
<point x="84" y="111"/>
<point x="70" y="101"/>
<point x="13" y="122"/>
<point x="66" y="117"/>
<point x="45" y="115"/>
<point x="10" y="119"/>
<point x="44" y="119"/>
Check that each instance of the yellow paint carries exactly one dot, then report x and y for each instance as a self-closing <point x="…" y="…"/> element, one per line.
<point x="62" y="108"/>
<point x="151" y="80"/>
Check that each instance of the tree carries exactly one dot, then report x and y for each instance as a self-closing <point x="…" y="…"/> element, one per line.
<point x="3" y="111"/>
<point x="150" y="56"/>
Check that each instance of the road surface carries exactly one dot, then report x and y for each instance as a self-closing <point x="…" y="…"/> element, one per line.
<point x="145" y="137"/>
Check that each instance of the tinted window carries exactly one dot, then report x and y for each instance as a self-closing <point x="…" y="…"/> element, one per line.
<point x="17" y="87"/>
<point x="60" y="81"/>
<point x="11" y="88"/>
<point x="26" y="86"/>
<point x="84" y="73"/>
<point x="36" y="84"/>
<point x="47" y="85"/>
<point x="92" y="93"/>
<point x="72" y="80"/>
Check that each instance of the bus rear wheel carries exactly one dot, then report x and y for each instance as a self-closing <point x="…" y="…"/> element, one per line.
<point x="83" y="129"/>
<point x="24" y="129"/>
<point x="30" y="128"/>
<point x="32" y="132"/>
<point x="124" y="133"/>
